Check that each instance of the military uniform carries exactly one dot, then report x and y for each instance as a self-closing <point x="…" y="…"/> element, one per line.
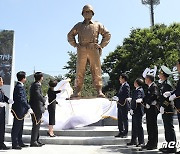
<point x="87" y="50"/>
<point x="167" y="110"/>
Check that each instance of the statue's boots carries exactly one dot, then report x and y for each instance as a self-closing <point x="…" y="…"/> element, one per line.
<point x="100" y="94"/>
<point x="76" y="94"/>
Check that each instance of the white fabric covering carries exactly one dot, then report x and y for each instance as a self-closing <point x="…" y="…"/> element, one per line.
<point x="80" y="112"/>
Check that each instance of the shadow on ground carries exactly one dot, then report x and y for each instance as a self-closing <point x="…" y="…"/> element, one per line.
<point x="129" y="150"/>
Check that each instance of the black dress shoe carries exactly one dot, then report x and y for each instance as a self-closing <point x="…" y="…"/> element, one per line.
<point x="50" y="135"/>
<point x="140" y="145"/>
<point x="168" y="150"/>
<point x="161" y="149"/>
<point x="23" y="145"/>
<point x="119" y="135"/>
<point x="151" y="147"/>
<point x="124" y="136"/>
<point x="40" y="143"/>
<point x="35" y="144"/>
<point x="144" y="146"/>
<point x="4" y="147"/>
<point x="16" y="147"/>
<point x="131" y="143"/>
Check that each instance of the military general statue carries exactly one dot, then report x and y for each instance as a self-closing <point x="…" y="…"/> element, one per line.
<point x="88" y="49"/>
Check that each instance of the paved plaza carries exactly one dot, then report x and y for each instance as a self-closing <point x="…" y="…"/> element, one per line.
<point x="79" y="149"/>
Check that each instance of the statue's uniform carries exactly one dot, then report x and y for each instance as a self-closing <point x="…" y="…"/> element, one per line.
<point x="87" y="51"/>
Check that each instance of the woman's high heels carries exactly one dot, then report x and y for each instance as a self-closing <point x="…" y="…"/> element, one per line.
<point x="51" y="135"/>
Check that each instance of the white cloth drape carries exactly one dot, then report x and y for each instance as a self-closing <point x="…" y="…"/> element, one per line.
<point x="81" y="112"/>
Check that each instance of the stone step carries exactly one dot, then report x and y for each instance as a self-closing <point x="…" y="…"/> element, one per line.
<point x="104" y="127"/>
<point x="69" y="140"/>
<point x="89" y="135"/>
<point x="88" y="131"/>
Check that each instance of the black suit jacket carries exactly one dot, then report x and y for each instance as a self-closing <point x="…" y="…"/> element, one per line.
<point x="137" y="107"/>
<point x="151" y="94"/>
<point x="124" y="92"/>
<point x="20" y="105"/>
<point x="52" y="95"/>
<point x="37" y="101"/>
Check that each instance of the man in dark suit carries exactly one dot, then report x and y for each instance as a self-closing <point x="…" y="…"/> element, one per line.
<point x="150" y="101"/>
<point x="19" y="108"/>
<point x="37" y="102"/>
<point x="137" y="112"/>
<point x="166" y="109"/>
<point x="3" y="100"/>
<point x="123" y="106"/>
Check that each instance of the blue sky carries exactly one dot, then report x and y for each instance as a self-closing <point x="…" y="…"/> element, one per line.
<point x="41" y="27"/>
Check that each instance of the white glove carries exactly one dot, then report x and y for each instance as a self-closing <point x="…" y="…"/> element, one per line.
<point x="167" y="94"/>
<point x="46" y="98"/>
<point x="46" y="103"/>
<point x="131" y="112"/>
<point x="147" y="106"/>
<point x="172" y="97"/>
<point x="162" y="110"/>
<point x="10" y="101"/>
<point x="129" y="99"/>
<point x="115" y="98"/>
<point x="30" y="111"/>
<point x="172" y="103"/>
<point x="139" y="100"/>
<point x="2" y="104"/>
<point x="154" y="103"/>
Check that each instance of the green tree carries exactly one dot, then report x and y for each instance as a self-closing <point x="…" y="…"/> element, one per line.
<point x="58" y="78"/>
<point x="159" y="45"/>
<point x="71" y="66"/>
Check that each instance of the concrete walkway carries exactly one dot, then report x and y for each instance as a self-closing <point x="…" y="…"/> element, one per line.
<point x="79" y="149"/>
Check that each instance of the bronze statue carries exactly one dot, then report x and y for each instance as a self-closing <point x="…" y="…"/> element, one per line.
<point x="88" y="49"/>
